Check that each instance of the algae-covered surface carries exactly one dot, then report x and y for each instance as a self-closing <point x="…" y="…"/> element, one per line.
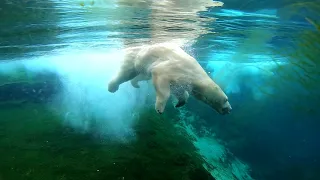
<point x="36" y="145"/>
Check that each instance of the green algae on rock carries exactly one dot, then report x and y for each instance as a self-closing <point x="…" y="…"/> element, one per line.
<point x="35" y="145"/>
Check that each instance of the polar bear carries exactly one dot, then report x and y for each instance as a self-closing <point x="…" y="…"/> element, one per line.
<point x="172" y="71"/>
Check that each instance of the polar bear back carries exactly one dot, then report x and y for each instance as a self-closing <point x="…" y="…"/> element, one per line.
<point x="171" y="59"/>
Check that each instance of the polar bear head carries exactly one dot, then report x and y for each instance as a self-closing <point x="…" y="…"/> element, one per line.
<point x="211" y="94"/>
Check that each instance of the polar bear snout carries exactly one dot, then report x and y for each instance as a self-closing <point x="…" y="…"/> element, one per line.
<point x="226" y="110"/>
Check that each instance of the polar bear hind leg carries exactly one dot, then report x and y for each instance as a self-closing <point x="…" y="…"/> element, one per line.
<point x="125" y="74"/>
<point x="140" y="77"/>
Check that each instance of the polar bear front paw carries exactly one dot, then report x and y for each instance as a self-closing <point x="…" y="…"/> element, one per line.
<point x="159" y="112"/>
<point x="180" y="103"/>
<point x="135" y="84"/>
<point x="159" y="107"/>
<point x="112" y="87"/>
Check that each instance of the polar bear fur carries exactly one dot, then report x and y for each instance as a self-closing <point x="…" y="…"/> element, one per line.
<point x="172" y="71"/>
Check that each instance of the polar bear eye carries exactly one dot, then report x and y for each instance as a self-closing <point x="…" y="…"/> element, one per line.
<point x="226" y="100"/>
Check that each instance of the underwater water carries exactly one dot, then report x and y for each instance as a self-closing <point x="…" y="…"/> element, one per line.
<point x="59" y="122"/>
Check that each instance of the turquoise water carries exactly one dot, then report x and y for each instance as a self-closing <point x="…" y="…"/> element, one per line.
<point x="58" y="121"/>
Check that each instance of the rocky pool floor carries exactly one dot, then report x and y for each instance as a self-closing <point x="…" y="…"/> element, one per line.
<point x="36" y="145"/>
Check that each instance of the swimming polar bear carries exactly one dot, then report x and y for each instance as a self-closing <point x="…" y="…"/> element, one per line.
<point x="172" y="70"/>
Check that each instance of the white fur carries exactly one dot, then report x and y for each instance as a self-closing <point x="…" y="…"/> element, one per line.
<point x="172" y="70"/>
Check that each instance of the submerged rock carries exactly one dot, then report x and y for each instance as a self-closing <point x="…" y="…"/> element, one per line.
<point x="200" y="174"/>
